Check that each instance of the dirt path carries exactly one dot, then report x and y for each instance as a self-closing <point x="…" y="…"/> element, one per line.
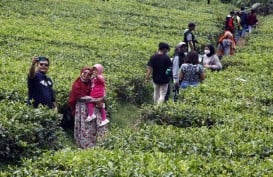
<point x="241" y="42"/>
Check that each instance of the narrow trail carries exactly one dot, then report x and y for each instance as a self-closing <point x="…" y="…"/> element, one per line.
<point x="241" y="42"/>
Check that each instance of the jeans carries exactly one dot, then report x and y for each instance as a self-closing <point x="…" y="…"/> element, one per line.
<point x="226" y="46"/>
<point x="160" y="92"/>
<point x="185" y="84"/>
<point x="244" y="30"/>
<point x="237" y="34"/>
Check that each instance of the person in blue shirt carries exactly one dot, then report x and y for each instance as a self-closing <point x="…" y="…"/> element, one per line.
<point x="40" y="86"/>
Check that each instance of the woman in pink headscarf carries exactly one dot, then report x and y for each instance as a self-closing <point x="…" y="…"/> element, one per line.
<point x="85" y="133"/>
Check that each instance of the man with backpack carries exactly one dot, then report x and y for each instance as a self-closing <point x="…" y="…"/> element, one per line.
<point x="189" y="38"/>
<point x="229" y="23"/>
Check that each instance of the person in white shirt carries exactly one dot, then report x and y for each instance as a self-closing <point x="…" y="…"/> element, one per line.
<point x="178" y="60"/>
<point x="210" y="59"/>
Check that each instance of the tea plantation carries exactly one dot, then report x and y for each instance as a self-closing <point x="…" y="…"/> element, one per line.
<point x="221" y="128"/>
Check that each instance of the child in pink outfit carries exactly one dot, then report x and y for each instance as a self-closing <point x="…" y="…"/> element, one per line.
<point x="97" y="93"/>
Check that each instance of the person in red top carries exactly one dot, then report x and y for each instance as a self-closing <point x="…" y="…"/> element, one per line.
<point x="97" y="93"/>
<point x="81" y="88"/>
<point x="251" y="20"/>
<point x="85" y="133"/>
<point x="226" y="44"/>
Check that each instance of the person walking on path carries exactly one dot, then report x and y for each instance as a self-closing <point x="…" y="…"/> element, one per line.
<point x="229" y="22"/>
<point x="243" y="17"/>
<point x="237" y="26"/>
<point x="40" y="86"/>
<point x="157" y="67"/>
<point x="226" y="44"/>
<point x="189" y="38"/>
<point x="251" y="20"/>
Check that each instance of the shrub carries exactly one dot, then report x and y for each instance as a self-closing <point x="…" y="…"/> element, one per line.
<point x="25" y="131"/>
<point x="180" y="115"/>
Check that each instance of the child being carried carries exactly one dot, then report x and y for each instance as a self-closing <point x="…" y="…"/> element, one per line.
<point x="97" y="93"/>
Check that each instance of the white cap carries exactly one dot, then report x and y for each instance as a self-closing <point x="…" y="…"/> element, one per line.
<point x="180" y="44"/>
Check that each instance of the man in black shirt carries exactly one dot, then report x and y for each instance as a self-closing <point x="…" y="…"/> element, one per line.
<point x="157" y="66"/>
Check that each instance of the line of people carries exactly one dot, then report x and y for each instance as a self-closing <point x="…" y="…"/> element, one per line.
<point x="237" y="24"/>
<point x="187" y="67"/>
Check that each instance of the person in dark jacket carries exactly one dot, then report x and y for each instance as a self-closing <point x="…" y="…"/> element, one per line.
<point x="243" y="21"/>
<point x="251" y="20"/>
<point x="40" y="86"/>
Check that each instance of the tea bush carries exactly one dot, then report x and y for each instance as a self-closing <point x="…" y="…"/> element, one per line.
<point x="163" y="151"/>
<point x="181" y="115"/>
<point x="220" y="128"/>
<point x="27" y="132"/>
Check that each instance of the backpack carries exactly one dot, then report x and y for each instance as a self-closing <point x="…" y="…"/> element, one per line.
<point x="229" y="23"/>
<point x="186" y="32"/>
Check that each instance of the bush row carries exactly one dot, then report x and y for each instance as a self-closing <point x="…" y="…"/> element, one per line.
<point x="162" y="151"/>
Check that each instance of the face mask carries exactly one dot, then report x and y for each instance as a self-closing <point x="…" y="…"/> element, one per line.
<point x="207" y="51"/>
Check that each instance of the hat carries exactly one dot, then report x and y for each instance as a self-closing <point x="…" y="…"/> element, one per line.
<point x="99" y="68"/>
<point x="180" y="44"/>
<point x="163" y="45"/>
<point x="43" y="58"/>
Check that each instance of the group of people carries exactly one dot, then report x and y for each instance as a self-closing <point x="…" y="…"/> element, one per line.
<point x="237" y="23"/>
<point x="86" y="99"/>
<point x="185" y="68"/>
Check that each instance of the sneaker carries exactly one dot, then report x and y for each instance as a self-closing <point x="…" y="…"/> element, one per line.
<point x="90" y="118"/>
<point x="104" y="122"/>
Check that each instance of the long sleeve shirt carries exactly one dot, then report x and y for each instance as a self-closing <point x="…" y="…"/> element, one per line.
<point x="213" y="62"/>
<point x="175" y="69"/>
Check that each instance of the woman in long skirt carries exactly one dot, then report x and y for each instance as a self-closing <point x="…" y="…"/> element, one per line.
<point x="85" y="133"/>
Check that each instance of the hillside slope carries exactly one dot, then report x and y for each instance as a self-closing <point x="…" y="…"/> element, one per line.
<point x="237" y="102"/>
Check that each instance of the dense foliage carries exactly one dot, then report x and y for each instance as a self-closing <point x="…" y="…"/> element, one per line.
<point x="26" y="132"/>
<point x="121" y="35"/>
<point x="221" y="128"/>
